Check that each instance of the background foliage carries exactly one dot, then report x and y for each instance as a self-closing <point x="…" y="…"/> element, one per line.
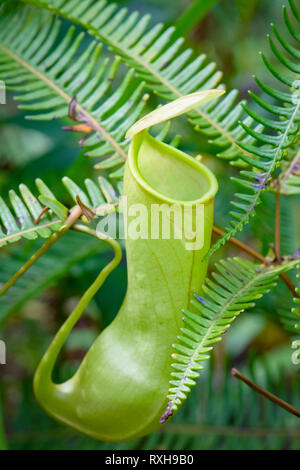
<point x="221" y="413"/>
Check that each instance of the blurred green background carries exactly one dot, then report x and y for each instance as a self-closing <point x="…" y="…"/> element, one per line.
<point x="221" y="413"/>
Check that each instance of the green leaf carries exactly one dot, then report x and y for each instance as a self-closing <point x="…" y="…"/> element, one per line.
<point x="57" y="208"/>
<point x="174" y="108"/>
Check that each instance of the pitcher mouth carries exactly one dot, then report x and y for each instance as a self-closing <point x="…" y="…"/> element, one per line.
<point x="197" y="177"/>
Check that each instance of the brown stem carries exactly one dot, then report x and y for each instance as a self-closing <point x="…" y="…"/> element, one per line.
<point x="289" y="284"/>
<point x="241" y="245"/>
<point x="277" y="223"/>
<point x="37" y="220"/>
<point x="261" y="258"/>
<point x="265" y="393"/>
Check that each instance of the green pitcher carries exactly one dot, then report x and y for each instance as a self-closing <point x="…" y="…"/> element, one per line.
<point x="119" y="391"/>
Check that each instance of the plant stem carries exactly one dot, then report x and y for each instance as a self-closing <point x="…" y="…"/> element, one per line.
<point x="289" y="283"/>
<point x="265" y="393"/>
<point x="277" y="223"/>
<point x="193" y="15"/>
<point x="75" y="214"/>
<point x="241" y="245"/>
<point x="43" y="376"/>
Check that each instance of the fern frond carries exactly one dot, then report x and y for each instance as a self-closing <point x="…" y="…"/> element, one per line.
<point x="47" y="71"/>
<point x="281" y="131"/>
<point x="237" y="284"/>
<point x="18" y="220"/>
<point x="169" y="70"/>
